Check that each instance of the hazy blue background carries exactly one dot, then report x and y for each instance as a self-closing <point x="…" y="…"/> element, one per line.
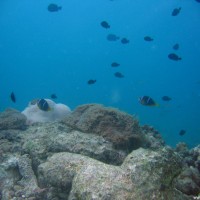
<point x="43" y="53"/>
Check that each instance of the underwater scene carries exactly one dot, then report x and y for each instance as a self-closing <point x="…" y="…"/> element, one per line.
<point x="111" y="52"/>
<point x="100" y="100"/>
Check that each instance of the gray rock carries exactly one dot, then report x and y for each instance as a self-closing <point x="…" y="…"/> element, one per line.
<point x="145" y="174"/>
<point x="188" y="181"/>
<point x="86" y="178"/>
<point x="48" y="138"/>
<point x="153" y="173"/>
<point x="121" y="129"/>
<point x="28" y="180"/>
<point x="17" y="179"/>
<point x="153" y="137"/>
<point x="87" y="160"/>
<point x="12" y="119"/>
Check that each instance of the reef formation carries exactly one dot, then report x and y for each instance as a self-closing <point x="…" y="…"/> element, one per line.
<point x="94" y="153"/>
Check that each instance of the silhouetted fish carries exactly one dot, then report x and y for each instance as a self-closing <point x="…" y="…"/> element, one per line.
<point x="43" y="105"/>
<point x="176" y="11"/>
<point x="112" y="37"/>
<point x="176" y="46"/>
<point x="166" y="98"/>
<point x="53" y="7"/>
<point x="115" y="64"/>
<point x="174" y="57"/>
<point x="53" y="96"/>
<point x="124" y="41"/>
<point x="12" y="97"/>
<point x="182" y="132"/>
<point x="105" y="24"/>
<point x="147" y="101"/>
<point x="148" y="38"/>
<point x="119" y="75"/>
<point x="90" y="82"/>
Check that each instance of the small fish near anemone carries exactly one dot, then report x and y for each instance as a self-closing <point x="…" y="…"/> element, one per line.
<point x="176" y="11"/>
<point x="12" y="97"/>
<point x="148" y="38"/>
<point x="175" y="57"/>
<point x="118" y="75"/>
<point x="124" y="41"/>
<point x="176" y="46"/>
<point x="43" y="105"/>
<point x="166" y="98"/>
<point x="53" y="7"/>
<point x="91" y="81"/>
<point x="105" y="24"/>
<point x="112" y="37"/>
<point x="115" y="64"/>
<point x="54" y="96"/>
<point x="147" y="101"/>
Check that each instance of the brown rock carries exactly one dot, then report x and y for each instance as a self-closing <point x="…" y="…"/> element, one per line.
<point x="118" y="127"/>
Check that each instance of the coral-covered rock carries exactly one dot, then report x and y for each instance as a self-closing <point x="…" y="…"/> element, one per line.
<point x="188" y="181"/>
<point x="12" y="119"/>
<point x="154" y="172"/>
<point x="17" y="179"/>
<point x="49" y="138"/>
<point x="153" y="137"/>
<point x="145" y="174"/>
<point x="89" y="158"/>
<point x="121" y="129"/>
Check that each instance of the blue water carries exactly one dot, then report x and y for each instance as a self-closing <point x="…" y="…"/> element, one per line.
<point x="43" y="53"/>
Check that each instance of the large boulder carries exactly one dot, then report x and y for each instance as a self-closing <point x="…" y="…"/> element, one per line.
<point x="120" y="128"/>
<point x="12" y="119"/>
<point x="145" y="174"/>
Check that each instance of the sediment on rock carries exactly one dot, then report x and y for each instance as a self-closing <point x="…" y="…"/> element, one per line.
<point x="121" y="129"/>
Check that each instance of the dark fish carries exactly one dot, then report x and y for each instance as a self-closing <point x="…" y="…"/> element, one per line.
<point x="124" y="41"/>
<point x="174" y="57"/>
<point x="166" y="98"/>
<point x="105" y="24"/>
<point x="53" y="96"/>
<point x="148" y="38"/>
<point x="43" y="105"/>
<point x="176" y="11"/>
<point x="176" y="46"/>
<point x="114" y="64"/>
<point x="12" y="97"/>
<point x="112" y="37"/>
<point x="147" y="101"/>
<point x="182" y="132"/>
<point x="53" y="7"/>
<point x="90" y="82"/>
<point x="119" y="75"/>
